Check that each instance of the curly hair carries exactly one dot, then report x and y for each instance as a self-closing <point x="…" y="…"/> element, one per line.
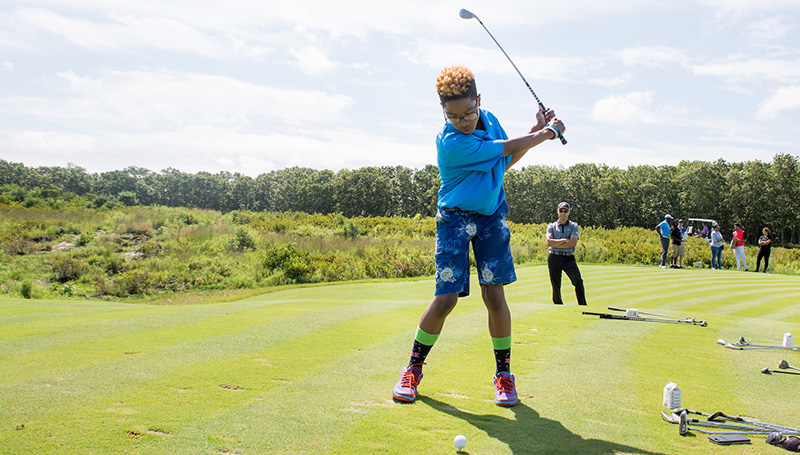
<point x="456" y="82"/>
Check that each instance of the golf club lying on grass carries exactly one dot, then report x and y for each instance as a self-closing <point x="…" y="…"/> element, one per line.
<point x="635" y="318"/>
<point x="468" y="15"/>
<point x="630" y="312"/>
<point x="784" y="365"/>
<point x="768" y="370"/>
<point x="675" y="418"/>
<point x="742" y="345"/>
<point x="740" y="420"/>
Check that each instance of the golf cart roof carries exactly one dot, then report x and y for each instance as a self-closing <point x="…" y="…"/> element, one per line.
<point x="704" y="220"/>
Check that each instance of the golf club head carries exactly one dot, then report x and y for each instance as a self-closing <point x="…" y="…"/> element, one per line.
<point x="765" y="370"/>
<point x="783" y="365"/>
<point x="671" y="418"/>
<point x="742" y="341"/>
<point x="465" y="14"/>
<point x="730" y="346"/>
<point x="721" y="342"/>
<point x="683" y="425"/>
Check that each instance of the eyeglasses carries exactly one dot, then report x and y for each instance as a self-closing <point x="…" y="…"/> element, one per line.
<point x="455" y="120"/>
<point x="563" y="210"/>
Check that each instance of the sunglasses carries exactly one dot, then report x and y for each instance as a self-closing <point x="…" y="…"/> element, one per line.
<point x="563" y="210"/>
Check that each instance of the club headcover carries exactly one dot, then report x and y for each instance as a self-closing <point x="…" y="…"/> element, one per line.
<point x="792" y="444"/>
<point x="775" y="438"/>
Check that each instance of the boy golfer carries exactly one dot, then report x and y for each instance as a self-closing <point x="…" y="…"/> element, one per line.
<point x="474" y="153"/>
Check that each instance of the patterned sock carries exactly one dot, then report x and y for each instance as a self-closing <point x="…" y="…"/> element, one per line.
<point x="423" y="342"/>
<point x="502" y="354"/>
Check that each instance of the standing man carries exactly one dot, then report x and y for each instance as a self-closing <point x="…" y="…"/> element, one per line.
<point x="473" y="153"/>
<point x="562" y="236"/>
<point x="737" y="245"/>
<point x="664" y="228"/>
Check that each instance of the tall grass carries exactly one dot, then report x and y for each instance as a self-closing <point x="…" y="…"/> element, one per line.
<point x="141" y="251"/>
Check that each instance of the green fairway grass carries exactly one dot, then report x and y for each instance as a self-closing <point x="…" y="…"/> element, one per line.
<point x="310" y="369"/>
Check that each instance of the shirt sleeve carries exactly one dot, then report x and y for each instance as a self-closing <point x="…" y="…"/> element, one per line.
<point x="575" y="231"/>
<point x="550" y="231"/>
<point x="469" y="153"/>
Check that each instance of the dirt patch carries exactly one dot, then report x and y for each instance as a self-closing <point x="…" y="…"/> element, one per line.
<point x="230" y="387"/>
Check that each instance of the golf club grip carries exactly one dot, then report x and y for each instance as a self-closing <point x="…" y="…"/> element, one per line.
<point x="616" y="309"/>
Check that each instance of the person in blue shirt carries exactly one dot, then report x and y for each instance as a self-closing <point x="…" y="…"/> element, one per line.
<point x="664" y="228"/>
<point x="473" y="154"/>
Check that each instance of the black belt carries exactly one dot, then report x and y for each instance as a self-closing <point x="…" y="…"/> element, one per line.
<point x="562" y="254"/>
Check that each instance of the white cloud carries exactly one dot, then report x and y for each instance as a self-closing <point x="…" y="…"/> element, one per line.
<point x="204" y="147"/>
<point x="437" y="55"/>
<point x="630" y="108"/>
<point x="653" y="56"/>
<point x="771" y="28"/>
<point x="785" y="98"/>
<point x="129" y="33"/>
<point x="751" y="68"/>
<point x="313" y="61"/>
<point x="141" y="99"/>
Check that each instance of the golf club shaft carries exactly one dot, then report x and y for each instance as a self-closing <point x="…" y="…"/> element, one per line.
<point x="538" y="101"/>
<point x="749" y="421"/>
<point x="674" y="419"/>
<point x="768" y="370"/>
<point x="725" y="416"/>
<point x="634" y="318"/>
<point x="743" y="347"/>
<point x="652" y="314"/>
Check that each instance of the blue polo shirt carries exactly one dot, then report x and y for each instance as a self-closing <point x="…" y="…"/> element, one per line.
<point x="472" y="167"/>
<point x="665" y="228"/>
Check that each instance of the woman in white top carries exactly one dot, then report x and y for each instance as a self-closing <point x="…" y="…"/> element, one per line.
<point x="716" y="248"/>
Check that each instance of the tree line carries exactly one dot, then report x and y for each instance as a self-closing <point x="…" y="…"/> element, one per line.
<point x="755" y="193"/>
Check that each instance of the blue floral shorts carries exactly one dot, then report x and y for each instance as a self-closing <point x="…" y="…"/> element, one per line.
<point x="490" y="238"/>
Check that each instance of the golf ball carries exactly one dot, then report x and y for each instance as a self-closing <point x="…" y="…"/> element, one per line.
<point x="460" y="442"/>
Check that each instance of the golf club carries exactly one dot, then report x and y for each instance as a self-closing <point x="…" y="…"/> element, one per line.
<point x="675" y="419"/>
<point x="768" y="370"/>
<point x="468" y="15"/>
<point x="634" y="313"/>
<point x="784" y="365"/>
<point x="722" y="415"/>
<point x="683" y="428"/>
<point x="751" y="346"/>
<point x="741" y="347"/>
<point x="743" y="342"/>
<point x="633" y="318"/>
<point x="750" y="421"/>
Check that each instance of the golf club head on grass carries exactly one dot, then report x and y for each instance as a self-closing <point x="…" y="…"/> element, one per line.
<point x="785" y="365"/>
<point x="768" y="370"/>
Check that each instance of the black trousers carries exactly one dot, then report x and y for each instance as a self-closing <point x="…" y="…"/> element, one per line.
<point x="558" y="263"/>
<point x="763" y="253"/>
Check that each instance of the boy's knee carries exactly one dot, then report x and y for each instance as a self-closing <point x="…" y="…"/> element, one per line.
<point x="444" y="304"/>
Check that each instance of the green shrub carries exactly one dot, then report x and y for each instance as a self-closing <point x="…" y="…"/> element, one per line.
<point x="84" y="239"/>
<point x="67" y="268"/>
<point x="27" y="289"/>
<point x="243" y="241"/>
<point x="295" y="263"/>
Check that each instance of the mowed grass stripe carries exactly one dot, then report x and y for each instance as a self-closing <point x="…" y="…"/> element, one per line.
<point x="224" y="384"/>
<point x="316" y="375"/>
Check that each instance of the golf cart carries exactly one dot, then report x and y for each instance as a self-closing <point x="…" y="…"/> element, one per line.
<point x="695" y="226"/>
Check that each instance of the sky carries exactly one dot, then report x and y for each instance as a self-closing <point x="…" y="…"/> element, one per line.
<point x="253" y="86"/>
